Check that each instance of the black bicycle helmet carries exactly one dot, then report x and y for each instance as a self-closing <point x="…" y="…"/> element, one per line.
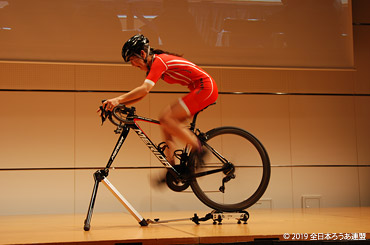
<point x="133" y="46"/>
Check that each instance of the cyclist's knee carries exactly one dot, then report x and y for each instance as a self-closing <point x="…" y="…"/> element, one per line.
<point x="165" y="116"/>
<point x="172" y="114"/>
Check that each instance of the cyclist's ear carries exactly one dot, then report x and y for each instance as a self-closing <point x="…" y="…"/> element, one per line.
<point x="143" y="54"/>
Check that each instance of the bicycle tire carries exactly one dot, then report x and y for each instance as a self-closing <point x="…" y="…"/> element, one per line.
<point x="203" y="186"/>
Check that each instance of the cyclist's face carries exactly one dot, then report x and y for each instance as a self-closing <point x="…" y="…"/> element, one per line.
<point x="138" y="62"/>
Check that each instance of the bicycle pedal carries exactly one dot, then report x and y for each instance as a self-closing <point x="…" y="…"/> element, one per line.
<point x="162" y="147"/>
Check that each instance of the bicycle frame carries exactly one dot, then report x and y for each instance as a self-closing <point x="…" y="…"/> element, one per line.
<point x="130" y="122"/>
<point x="159" y="154"/>
<point x="147" y="141"/>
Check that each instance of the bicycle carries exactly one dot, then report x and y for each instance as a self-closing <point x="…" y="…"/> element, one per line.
<point x="217" y="180"/>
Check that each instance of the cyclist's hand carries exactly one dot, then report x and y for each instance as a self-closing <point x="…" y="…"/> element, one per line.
<point x="110" y="104"/>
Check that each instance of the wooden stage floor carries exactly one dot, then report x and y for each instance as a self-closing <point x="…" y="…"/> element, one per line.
<point x="338" y="224"/>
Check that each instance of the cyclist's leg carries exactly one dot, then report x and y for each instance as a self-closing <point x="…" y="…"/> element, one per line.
<point x="172" y="124"/>
<point x="169" y="152"/>
<point x="172" y="117"/>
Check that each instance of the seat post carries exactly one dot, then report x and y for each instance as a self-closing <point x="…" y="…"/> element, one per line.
<point x="192" y="124"/>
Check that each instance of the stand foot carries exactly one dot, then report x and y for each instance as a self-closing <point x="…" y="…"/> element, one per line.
<point x="86" y="227"/>
<point x="143" y="223"/>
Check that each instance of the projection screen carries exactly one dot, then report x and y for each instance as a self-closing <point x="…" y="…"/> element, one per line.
<point x="270" y="33"/>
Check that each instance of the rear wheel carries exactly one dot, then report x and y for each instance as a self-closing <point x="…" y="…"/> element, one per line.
<point x="246" y="172"/>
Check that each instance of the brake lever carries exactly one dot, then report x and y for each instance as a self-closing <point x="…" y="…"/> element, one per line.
<point x="104" y="114"/>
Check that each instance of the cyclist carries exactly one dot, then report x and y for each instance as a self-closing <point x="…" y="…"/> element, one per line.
<point x="173" y="69"/>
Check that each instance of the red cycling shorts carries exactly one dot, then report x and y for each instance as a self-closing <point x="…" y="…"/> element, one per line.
<point x="204" y="94"/>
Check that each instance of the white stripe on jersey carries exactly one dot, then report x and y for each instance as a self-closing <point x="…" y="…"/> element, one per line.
<point x="172" y="63"/>
<point x="182" y="103"/>
<point x="164" y="63"/>
<point x="149" y="81"/>
<point x="179" y="74"/>
<point x="181" y="61"/>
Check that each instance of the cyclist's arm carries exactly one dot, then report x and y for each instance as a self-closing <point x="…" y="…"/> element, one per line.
<point x="133" y="101"/>
<point x="131" y="97"/>
<point x="137" y="93"/>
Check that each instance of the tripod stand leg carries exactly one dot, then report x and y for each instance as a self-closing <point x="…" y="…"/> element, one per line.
<point x="97" y="179"/>
<point x="125" y="203"/>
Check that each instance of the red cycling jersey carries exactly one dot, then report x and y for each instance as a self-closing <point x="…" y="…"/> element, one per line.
<point x="174" y="69"/>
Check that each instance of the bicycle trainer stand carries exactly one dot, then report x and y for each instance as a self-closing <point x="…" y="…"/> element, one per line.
<point x="101" y="176"/>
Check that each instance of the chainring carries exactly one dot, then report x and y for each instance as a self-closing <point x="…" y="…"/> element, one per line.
<point x="176" y="184"/>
